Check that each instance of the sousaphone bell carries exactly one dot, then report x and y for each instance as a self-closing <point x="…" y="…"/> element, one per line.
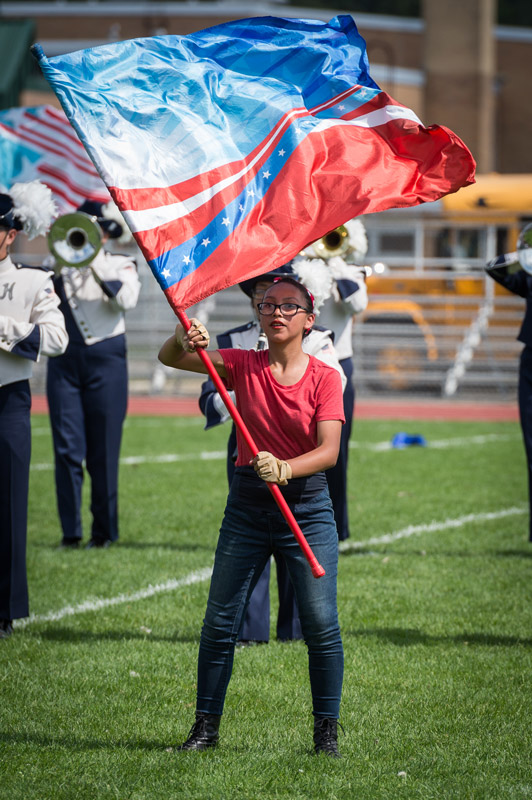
<point x="75" y="239"/>
<point x="334" y="243"/>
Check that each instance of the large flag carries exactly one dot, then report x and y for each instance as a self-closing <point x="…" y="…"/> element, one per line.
<point x="230" y="149"/>
<point x="39" y="144"/>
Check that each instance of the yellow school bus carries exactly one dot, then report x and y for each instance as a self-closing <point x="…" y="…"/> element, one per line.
<point x="428" y="288"/>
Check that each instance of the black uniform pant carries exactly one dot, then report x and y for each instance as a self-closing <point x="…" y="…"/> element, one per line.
<point x="337" y="475"/>
<point x="525" y="413"/>
<point x="87" y="396"/>
<point x="15" y="453"/>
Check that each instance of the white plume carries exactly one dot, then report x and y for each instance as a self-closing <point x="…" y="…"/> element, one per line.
<point x="34" y="206"/>
<point x="358" y="240"/>
<point x="316" y="276"/>
<point x="111" y="211"/>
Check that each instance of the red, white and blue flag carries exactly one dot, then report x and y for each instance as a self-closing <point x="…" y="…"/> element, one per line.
<point x="230" y="149"/>
<point x="39" y="144"/>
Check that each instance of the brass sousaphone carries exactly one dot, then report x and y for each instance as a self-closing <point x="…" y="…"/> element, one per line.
<point x="334" y="243"/>
<point x="75" y="239"/>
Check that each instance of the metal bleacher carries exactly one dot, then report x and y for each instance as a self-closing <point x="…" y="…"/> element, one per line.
<point x="475" y="352"/>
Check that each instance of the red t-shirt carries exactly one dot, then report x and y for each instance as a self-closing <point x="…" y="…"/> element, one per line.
<point x="281" y="419"/>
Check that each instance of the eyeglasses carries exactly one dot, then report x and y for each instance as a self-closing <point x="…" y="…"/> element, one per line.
<point x="286" y="309"/>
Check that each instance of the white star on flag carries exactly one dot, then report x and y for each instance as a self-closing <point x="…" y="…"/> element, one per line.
<point x="186" y="260"/>
<point x="206" y="242"/>
<point x="226" y="221"/>
<point x="266" y="174"/>
<point x="166" y="273"/>
<point x="281" y="152"/>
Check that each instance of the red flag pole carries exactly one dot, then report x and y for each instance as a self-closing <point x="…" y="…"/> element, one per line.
<point x="315" y="566"/>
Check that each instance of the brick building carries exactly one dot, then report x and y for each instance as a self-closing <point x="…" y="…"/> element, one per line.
<point x="453" y="66"/>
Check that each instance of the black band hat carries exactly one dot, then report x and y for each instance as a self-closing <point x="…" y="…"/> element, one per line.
<point x="8" y="220"/>
<point x="110" y="226"/>
<point x="249" y="285"/>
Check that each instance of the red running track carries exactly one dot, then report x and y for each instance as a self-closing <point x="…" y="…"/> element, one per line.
<point x="365" y="409"/>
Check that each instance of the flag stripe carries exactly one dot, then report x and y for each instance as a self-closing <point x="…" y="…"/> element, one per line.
<point x="68" y="180"/>
<point x="231" y="204"/>
<point x="55" y="122"/>
<point x="140" y="199"/>
<point x="276" y="228"/>
<point x="39" y="143"/>
<point x="155" y="197"/>
<point x="48" y="146"/>
<point x="65" y="133"/>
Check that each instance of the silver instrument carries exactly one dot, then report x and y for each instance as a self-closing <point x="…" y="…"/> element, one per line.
<point x="75" y="239"/>
<point x="262" y="341"/>
<point x="524" y="249"/>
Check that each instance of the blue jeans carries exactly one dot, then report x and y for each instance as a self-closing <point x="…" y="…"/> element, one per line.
<point x="252" y="529"/>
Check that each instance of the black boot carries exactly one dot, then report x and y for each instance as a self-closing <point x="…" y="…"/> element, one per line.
<point x="204" y="732"/>
<point x="326" y="736"/>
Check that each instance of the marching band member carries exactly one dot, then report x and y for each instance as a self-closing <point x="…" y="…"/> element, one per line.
<point x="87" y="386"/>
<point x="347" y="297"/>
<point x="292" y="405"/>
<point x="319" y="343"/>
<point x="514" y="272"/>
<point x="31" y="325"/>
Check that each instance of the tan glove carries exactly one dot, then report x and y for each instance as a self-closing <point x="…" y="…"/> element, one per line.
<point x="271" y="469"/>
<point x="196" y="336"/>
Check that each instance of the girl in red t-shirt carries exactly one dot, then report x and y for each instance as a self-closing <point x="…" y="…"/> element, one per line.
<point x="292" y="405"/>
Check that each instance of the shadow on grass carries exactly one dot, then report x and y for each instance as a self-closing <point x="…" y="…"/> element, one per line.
<point x="185" y="547"/>
<point x="71" y="744"/>
<point x="71" y="636"/>
<point x="405" y="637"/>
<point x="515" y="553"/>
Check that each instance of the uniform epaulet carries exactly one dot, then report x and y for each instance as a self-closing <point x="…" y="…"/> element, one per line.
<point x="125" y="255"/>
<point x="31" y="266"/>
<point x="239" y="329"/>
<point x="321" y="329"/>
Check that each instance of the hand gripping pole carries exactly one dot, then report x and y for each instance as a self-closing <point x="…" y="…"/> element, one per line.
<point x="315" y="566"/>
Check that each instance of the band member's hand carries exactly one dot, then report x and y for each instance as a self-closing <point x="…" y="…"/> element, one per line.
<point x="196" y="336"/>
<point x="271" y="469"/>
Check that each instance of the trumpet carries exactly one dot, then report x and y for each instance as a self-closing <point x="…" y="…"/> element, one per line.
<point x="75" y="239"/>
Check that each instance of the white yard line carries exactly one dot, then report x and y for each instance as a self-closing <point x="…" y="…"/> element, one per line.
<point x="201" y="575"/>
<point x="439" y="444"/>
<point x="431" y="527"/>
<point x="377" y="447"/>
<point x="97" y="603"/>
<point x="164" y="458"/>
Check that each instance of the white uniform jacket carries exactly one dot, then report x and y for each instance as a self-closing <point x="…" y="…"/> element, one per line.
<point x="349" y="297"/>
<point x="318" y="343"/>
<point x="98" y="295"/>
<point x="31" y="323"/>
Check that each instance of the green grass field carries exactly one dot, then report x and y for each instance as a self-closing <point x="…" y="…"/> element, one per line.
<point x="435" y="588"/>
